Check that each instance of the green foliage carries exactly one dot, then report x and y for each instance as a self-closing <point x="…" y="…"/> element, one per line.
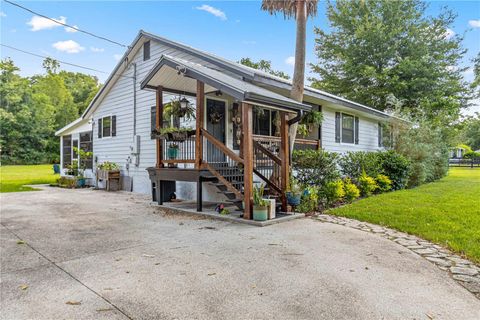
<point x="332" y="192"/>
<point x="352" y="164"/>
<point x="294" y="187"/>
<point x="224" y="211"/>
<point x="265" y="66"/>
<point x="396" y="167"/>
<point x="67" y="182"/>
<point x="469" y="130"/>
<point x="351" y="190"/>
<point x="380" y="48"/>
<point x="311" y="119"/>
<point x="426" y="146"/>
<point x="367" y="185"/>
<point x="464" y="147"/>
<point x="383" y="182"/>
<point x="472" y="155"/>
<point x="310" y="200"/>
<point x="108" y="166"/>
<point x="258" y="199"/>
<point x="173" y="109"/>
<point x="315" y="167"/>
<point x="167" y="130"/>
<point x="33" y="108"/>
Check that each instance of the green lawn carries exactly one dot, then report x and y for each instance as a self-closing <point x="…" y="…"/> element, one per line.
<point x="446" y="212"/>
<point x="13" y="178"/>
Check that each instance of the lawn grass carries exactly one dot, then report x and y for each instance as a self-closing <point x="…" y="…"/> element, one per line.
<point x="446" y="212"/>
<point x="13" y="178"/>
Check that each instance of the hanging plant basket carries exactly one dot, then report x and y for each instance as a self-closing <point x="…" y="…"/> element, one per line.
<point x="178" y="135"/>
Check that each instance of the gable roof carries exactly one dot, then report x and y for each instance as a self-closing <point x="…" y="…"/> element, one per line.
<point x="253" y="75"/>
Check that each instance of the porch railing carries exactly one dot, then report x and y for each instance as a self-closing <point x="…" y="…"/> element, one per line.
<point x="273" y="143"/>
<point x="223" y="163"/>
<point x="185" y="151"/>
<point x="267" y="165"/>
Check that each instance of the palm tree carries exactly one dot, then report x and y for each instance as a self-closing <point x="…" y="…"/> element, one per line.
<point x="300" y="10"/>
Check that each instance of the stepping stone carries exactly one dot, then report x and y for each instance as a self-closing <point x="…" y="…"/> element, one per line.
<point x="440" y="262"/>
<point x="472" y="286"/>
<point x="465" y="271"/>
<point x="464" y="278"/>
<point x="425" y="251"/>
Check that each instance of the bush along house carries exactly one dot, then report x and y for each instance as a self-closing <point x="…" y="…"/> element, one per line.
<point x="184" y="122"/>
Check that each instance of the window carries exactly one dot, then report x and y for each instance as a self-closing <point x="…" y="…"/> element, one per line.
<point x="146" y="51"/>
<point x="346" y="128"/>
<point x="153" y="122"/>
<point x="86" y="145"/>
<point x="107" y="127"/>
<point x="67" y="150"/>
<point x="264" y="122"/>
<point x="348" y="124"/>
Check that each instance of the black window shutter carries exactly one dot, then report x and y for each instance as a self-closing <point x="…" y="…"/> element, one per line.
<point x="337" y="126"/>
<point x="379" y="134"/>
<point x="153" y="121"/>
<point x="99" y="128"/>
<point x="356" y="130"/>
<point x="114" y="126"/>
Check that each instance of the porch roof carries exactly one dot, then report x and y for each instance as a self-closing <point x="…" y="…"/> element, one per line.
<point x="166" y="71"/>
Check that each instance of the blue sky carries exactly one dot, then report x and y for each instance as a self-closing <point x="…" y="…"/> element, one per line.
<point x="232" y="29"/>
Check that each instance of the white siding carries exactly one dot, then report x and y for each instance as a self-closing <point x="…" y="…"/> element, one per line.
<point x="368" y="132"/>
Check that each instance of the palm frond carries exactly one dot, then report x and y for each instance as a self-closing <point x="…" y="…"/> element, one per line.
<point x="289" y="7"/>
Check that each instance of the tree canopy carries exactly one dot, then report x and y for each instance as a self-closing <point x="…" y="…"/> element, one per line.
<point x="33" y="108"/>
<point x="263" y="65"/>
<point x="378" y="49"/>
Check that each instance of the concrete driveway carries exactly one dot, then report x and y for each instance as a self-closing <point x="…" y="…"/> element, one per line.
<point x="97" y="255"/>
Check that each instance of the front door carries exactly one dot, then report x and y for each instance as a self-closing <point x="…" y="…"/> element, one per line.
<point x="216" y="127"/>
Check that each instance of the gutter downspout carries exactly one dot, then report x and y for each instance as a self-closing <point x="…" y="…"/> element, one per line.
<point x="134" y="118"/>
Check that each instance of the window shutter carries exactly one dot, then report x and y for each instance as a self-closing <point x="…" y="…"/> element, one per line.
<point x="380" y="138"/>
<point x="99" y="128"/>
<point x="320" y="126"/>
<point x="337" y="126"/>
<point x="356" y="130"/>
<point x="146" y="51"/>
<point x="153" y="121"/>
<point x="114" y="126"/>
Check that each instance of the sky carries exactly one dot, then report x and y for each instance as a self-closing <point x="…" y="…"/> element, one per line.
<point x="231" y="29"/>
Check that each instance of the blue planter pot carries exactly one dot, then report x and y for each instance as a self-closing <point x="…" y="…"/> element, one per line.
<point x="260" y="213"/>
<point x="56" y="168"/>
<point x="80" y="182"/>
<point x="293" y="200"/>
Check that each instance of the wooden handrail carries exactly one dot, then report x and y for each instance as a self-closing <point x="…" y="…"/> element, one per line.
<point x="267" y="152"/>
<point x="257" y="137"/>
<point x="221" y="146"/>
<point x="269" y="183"/>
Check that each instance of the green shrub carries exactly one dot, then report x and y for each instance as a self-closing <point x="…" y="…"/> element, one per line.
<point x="366" y="184"/>
<point x="67" y="182"/>
<point x="315" y="167"/>
<point x="384" y="183"/>
<point x="310" y="200"/>
<point x="352" y="164"/>
<point x="472" y="155"/>
<point x="396" y="167"/>
<point x="351" y="190"/>
<point x="332" y="192"/>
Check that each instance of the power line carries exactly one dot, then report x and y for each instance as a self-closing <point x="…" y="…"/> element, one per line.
<point x="66" y="25"/>
<point x="67" y="63"/>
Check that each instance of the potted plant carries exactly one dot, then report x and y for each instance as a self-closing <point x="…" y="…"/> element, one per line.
<point x="311" y="119"/>
<point x="172" y="151"/>
<point x="294" y="193"/>
<point x="81" y="166"/>
<point x="178" y="108"/>
<point x="260" y="205"/>
<point x="175" y="134"/>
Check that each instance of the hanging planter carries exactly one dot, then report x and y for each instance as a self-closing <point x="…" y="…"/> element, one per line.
<point x="175" y="134"/>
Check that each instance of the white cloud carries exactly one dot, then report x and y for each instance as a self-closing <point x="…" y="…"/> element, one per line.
<point x="68" y="46"/>
<point x="290" y="61"/>
<point x="93" y="49"/>
<point x="216" y="12"/>
<point x="68" y="29"/>
<point x="117" y="57"/>
<point x="449" y="33"/>
<point x="474" y="23"/>
<point x="39" y="23"/>
<point x="3" y="14"/>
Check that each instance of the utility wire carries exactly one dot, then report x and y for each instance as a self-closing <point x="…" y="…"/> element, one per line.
<point x="66" y="25"/>
<point x="67" y="63"/>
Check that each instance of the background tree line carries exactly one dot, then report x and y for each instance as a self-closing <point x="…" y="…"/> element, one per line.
<point x="33" y="108"/>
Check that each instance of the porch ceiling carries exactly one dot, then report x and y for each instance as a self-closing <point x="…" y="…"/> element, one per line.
<point x="165" y="74"/>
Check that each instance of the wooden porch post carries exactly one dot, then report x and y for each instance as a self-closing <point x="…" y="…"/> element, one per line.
<point x="284" y="157"/>
<point x="247" y="144"/>
<point x="159" y="123"/>
<point x="199" y="124"/>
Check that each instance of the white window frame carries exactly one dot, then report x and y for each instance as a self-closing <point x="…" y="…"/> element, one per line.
<point x="110" y="135"/>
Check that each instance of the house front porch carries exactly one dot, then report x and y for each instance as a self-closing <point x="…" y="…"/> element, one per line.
<point x="222" y="150"/>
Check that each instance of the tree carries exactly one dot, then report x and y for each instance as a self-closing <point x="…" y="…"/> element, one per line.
<point x="265" y="66"/>
<point x="50" y="65"/>
<point x="383" y="48"/>
<point x="300" y="10"/>
<point x="83" y="88"/>
<point x="469" y="132"/>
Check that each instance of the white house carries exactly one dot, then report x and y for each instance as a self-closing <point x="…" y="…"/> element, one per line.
<point x="119" y="121"/>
